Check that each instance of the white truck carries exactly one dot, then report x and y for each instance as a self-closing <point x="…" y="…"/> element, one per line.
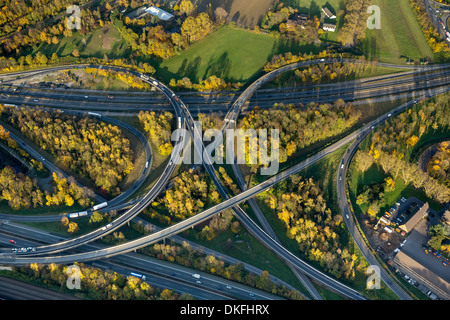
<point x="196" y="276"/>
<point x="99" y="206"/>
<point x="137" y="275"/>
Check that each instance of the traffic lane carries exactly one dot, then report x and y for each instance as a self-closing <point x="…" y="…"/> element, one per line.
<point x="129" y="246"/>
<point x="296" y="98"/>
<point x="343" y="203"/>
<point x="160" y="281"/>
<point x="11" y="289"/>
<point x="139" y="262"/>
<point x="130" y="214"/>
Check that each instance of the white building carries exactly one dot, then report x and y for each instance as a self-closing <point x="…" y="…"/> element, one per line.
<point x="329" y="27"/>
<point x="328" y="13"/>
<point x="161" y="14"/>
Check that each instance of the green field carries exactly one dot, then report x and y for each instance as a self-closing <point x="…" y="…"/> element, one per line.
<point x="232" y="54"/>
<point x="400" y="35"/>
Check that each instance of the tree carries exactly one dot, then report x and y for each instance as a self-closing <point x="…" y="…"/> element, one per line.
<point x="221" y="14"/>
<point x="186" y="7"/>
<point x="73" y="227"/>
<point x="363" y="161"/>
<point x="438" y="234"/>
<point x="76" y="53"/>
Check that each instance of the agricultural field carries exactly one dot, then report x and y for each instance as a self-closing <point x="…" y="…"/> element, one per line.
<point x="400" y="35"/>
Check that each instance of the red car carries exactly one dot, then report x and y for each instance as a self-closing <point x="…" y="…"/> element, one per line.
<point x="12" y="241"/>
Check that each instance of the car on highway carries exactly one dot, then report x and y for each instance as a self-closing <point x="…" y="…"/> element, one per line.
<point x="12" y="241"/>
<point x="229" y="287"/>
<point x="36" y="100"/>
<point x="198" y="282"/>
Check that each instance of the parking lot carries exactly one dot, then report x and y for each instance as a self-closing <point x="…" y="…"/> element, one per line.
<point x="414" y="248"/>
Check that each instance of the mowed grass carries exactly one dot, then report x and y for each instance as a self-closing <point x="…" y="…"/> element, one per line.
<point x="400" y="35"/>
<point x="232" y="54"/>
<point x="235" y="55"/>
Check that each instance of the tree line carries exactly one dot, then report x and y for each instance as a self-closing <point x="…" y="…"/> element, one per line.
<point x="98" y="284"/>
<point x="188" y="256"/>
<point x="354" y="27"/>
<point x="439" y="165"/>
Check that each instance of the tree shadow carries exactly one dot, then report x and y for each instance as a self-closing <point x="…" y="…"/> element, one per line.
<point x="314" y="9"/>
<point x="370" y="49"/>
<point x="219" y="67"/>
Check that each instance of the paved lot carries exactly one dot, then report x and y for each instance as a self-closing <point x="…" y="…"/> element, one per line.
<point x="414" y="248"/>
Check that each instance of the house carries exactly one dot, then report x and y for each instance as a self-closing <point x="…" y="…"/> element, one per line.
<point x="329" y="27"/>
<point x="414" y="220"/>
<point x="328" y="13"/>
<point x="297" y="20"/>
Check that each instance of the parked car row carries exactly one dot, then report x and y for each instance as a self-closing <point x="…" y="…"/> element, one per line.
<point x="435" y="253"/>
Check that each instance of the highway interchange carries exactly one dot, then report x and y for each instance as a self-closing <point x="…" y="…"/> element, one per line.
<point x="416" y="81"/>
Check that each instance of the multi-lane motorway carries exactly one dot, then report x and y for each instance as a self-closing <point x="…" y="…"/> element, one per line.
<point x="230" y="202"/>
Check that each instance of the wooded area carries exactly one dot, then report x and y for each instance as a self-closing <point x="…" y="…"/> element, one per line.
<point x="86" y="146"/>
<point x="301" y="126"/>
<point x="300" y="205"/>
